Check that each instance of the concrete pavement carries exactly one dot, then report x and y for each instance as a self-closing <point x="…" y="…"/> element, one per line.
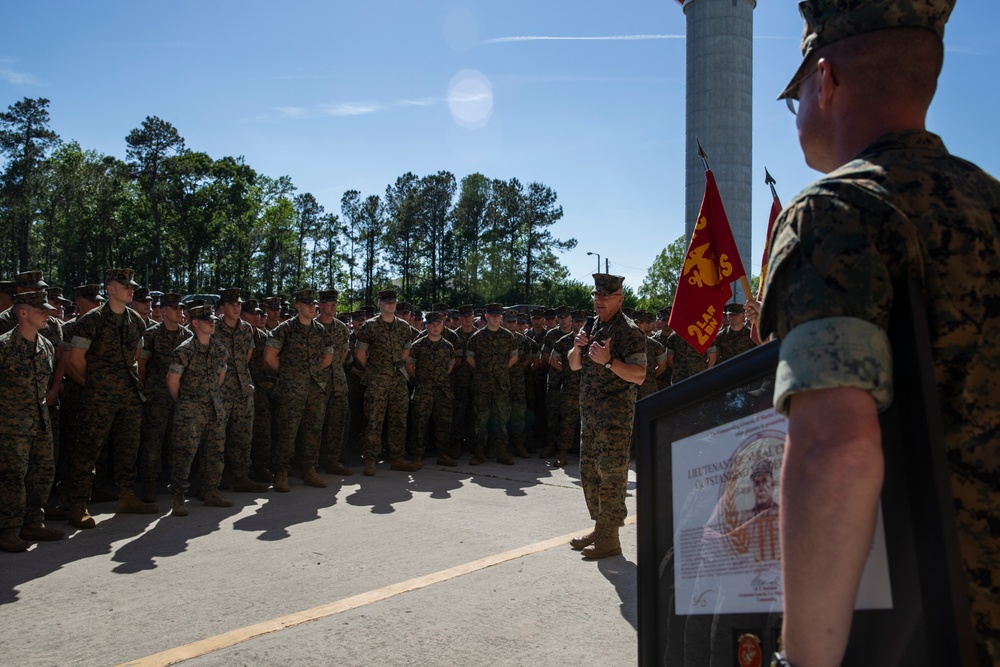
<point x="466" y="566"/>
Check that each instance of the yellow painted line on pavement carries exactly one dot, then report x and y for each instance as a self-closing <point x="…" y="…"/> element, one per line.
<point x="233" y="637"/>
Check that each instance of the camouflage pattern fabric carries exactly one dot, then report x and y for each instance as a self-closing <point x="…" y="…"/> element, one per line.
<point x="492" y="351"/>
<point x="607" y="407"/>
<point x="264" y="379"/>
<point x="904" y="208"/>
<point x="158" y="345"/>
<point x="27" y="468"/>
<point x="732" y="343"/>
<point x="200" y="414"/>
<point x="656" y="355"/>
<point x="687" y="360"/>
<point x="300" y="394"/>
<point x="112" y="404"/>
<point x="569" y="396"/>
<point x="463" y="414"/>
<point x="553" y="399"/>
<point x="385" y="382"/>
<point x="238" y="395"/>
<point x="518" y="393"/>
<point x="355" y="397"/>
<point x="432" y="393"/>
<point x="664" y="380"/>
<point x="337" y="407"/>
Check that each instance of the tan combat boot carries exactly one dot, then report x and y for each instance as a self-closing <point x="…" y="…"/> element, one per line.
<point x="79" y="517"/>
<point x="215" y="499"/>
<point x="402" y="465"/>
<point x="607" y="544"/>
<point x="338" y="468"/>
<point x="560" y="459"/>
<point x="522" y="452"/>
<point x="445" y="460"/>
<point x="311" y="478"/>
<point x="39" y="532"/>
<point x="369" y="470"/>
<point x="179" y="508"/>
<point x="129" y="504"/>
<point x="11" y="542"/>
<point x="281" y="482"/>
<point x="579" y="543"/>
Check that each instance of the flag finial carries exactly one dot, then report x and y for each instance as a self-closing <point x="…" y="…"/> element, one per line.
<point x="703" y="155"/>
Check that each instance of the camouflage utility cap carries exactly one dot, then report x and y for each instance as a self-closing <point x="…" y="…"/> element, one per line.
<point x="272" y="303"/>
<point x="203" y="312"/>
<point x="433" y="316"/>
<point x="55" y="294"/>
<point x="170" y="300"/>
<point x="90" y="292"/>
<point x="141" y="294"/>
<point x="305" y="296"/>
<point x="733" y="308"/>
<point x="329" y="295"/>
<point x="762" y="467"/>
<point x="123" y="276"/>
<point x="510" y="316"/>
<point x="231" y="295"/>
<point x="465" y="309"/>
<point x="249" y="306"/>
<point x="606" y="284"/>
<point x="562" y="310"/>
<point x="30" y="280"/>
<point x="494" y="309"/>
<point x="37" y="300"/>
<point x="580" y="315"/>
<point x="829" y="21"/>
<point x="387" y="295"/>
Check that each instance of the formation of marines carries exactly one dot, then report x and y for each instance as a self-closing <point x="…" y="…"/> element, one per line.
<point x="151" y="387"/>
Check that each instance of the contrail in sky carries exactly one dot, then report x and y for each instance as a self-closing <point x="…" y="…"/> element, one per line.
<point x="605" y="38"/>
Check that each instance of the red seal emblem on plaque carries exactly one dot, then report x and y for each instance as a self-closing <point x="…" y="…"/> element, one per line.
<point x="748" y="652"/>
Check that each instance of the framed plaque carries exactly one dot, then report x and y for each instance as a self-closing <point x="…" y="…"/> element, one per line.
<point x="708" y="471"/>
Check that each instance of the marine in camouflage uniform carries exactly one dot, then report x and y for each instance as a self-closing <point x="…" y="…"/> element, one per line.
<point x="106" y="345"/>
<point x="733" y="339"/>
<point x="355" y="389"/>
<point x="382" y="348"/>
<point x="569" y="396"/>
<point x="197" y="370"/>
<point x="264" y="379"/>
<point x="27" y="467"/>
<point x="518" y="394"/>
<point x="539" y="376"/>
<point x="300" y="350"/>
<point x="430" y="364"/>
<point x="686" y="361"/>
<point x="491" y="352"/>
<point x="900" y="208"/>
<point x="337" y="409"/>
<point x="237" y="391"/>
<point x="463" y="424"/>
<point x="158" y="345"/>
<point x="611" y="358"/>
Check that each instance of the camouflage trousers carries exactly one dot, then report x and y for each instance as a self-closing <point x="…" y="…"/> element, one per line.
<point x="104" y="414"/>
<point x="335" y="425"/>
<point x="569" y="419"/>
<point x="261" y="449"/>
<point x="197" y="427"/>
<point x="26" y="473"/>
<point x="604" y="460"/>
<point x="299" y="418"/>
<point x="70" y="402"/>
<point x="428" y="403"/>
<point x="386" y="404"/>
<point x="518" y="411"/>
<point x="463" y="417"/>
<point x="156" y="413"/>
<point x="356" y="408"/>
<point x="553" y="412"/>
<point x="239" y="433"/>
<point x="492" y="413"/>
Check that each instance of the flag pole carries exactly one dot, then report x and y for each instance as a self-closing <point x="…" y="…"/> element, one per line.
<point x="744" y="283"/>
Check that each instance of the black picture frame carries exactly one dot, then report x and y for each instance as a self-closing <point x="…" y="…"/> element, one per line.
<point x="929" y="620"/>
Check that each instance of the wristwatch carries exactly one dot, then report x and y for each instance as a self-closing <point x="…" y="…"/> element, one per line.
<point x="608" y="365"/>
<point x="778" y="660"/>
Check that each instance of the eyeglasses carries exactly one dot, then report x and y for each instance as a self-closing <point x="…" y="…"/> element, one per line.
<point x="792" y="101"/>
<point x="598" y="296"/>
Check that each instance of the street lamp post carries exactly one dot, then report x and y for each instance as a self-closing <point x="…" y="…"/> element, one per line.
<point x="598" y="260"/>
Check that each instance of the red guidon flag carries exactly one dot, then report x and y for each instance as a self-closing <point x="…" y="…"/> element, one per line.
<point x="711" y="264"/>
<point x="775" y="211"/>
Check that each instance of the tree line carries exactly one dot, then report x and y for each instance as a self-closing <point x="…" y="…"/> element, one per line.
<point x="189" y="223"/>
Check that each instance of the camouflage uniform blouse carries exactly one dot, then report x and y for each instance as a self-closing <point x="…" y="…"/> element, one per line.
<point x="238" y="341"/>
<point x="25" y="371"/>
<point x="687" y="360"/>
<point x="200" y="367"/>
<point x="600" y="388"/>
<point x="339" y="342"/>
<point x="301" y="348"/>
<point x="492" y="351"/>
<point x="111" y="347"/>
<point x="431" y="362"/>
<point x="903" y="208"/>
<point x="53" y="331"/>
<point x="656" y="355"/>
<point x="384" y="343"/>
<point x="560" y="352"/>
<point x="158" y="345"/>
<point x="732" y="343"/>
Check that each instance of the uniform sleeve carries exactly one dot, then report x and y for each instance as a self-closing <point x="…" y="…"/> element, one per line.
<point x="85" y="331"/>
<point x="148" y="344"/>
<point x="180" y="361"/>
<point x="828" y="299"/>
<point x="362" y="341"/>
<point x="276" y="337"/>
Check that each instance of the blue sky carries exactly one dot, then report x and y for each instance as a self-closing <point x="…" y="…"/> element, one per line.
<point x="346" y="96"/>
